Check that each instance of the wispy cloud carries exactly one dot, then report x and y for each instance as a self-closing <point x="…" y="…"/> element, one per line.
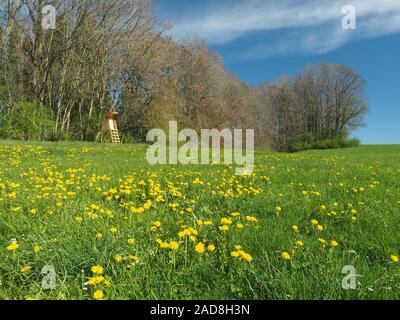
<point x="308" y="26"/>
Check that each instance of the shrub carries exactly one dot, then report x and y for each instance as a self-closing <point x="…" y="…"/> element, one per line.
<point x="302" y="142"/>
<point x="28" y="121"/>
<point x="324" y="144"/>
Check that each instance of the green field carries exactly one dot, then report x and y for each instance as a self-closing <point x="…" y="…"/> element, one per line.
<point x="197" y="232"/>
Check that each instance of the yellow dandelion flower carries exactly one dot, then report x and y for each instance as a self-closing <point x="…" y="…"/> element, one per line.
<point x="200" y="248"/>
<point x="98" y="295"/>
<point x="251" y="219"/>
<point x="245" y="256"/>
<point x="93" y="281"/>
<point x="157" y="224"/>
<point x="94" y="207"/>
<point x="300" y="243"/>
<point x="226" y="221"/>
<point x="286" y="256"/>
<point x="13" y="246"/>
<point x="224" y="228"/>
<point x="78" y="219"/>
<point x="25" y="269"/>
<point x="97" y="269"/>
<point x="107" y="283"/>
<point x="133" y="258"/>
<point x="164" y="245"/>
<point x="174" y="245"/>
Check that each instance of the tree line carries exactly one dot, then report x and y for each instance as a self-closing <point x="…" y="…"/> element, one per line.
<point x="57" y="84"/>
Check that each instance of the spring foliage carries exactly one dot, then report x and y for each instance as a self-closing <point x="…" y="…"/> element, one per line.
<point x="57" y="84"/>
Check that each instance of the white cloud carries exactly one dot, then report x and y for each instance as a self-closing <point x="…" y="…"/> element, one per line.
<point x="304" y="26"/>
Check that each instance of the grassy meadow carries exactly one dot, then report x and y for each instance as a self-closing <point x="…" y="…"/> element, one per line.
<point x="112" y="227"/>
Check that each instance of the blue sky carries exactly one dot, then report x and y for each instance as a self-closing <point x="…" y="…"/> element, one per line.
<point x="261" y="40"/>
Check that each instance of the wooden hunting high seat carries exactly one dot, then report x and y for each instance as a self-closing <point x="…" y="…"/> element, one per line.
<point x="109" y="127"/>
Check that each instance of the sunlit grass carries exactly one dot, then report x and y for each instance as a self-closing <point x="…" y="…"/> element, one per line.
<point x="197" y="232"/>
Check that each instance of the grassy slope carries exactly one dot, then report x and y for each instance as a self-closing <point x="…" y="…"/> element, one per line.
<point x="72" y="247"/>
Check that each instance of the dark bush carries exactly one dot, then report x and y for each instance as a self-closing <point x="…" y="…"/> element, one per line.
<point x="29" y="121"/>
<point x="324" y="144"/>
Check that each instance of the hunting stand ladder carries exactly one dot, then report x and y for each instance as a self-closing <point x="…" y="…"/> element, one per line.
<point x="109" y="128"/>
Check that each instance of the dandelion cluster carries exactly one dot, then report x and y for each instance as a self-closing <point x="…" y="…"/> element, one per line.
<point x="114" y="227"/>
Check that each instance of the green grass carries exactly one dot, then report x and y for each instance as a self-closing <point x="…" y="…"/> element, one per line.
<point x="41" y="176"/>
